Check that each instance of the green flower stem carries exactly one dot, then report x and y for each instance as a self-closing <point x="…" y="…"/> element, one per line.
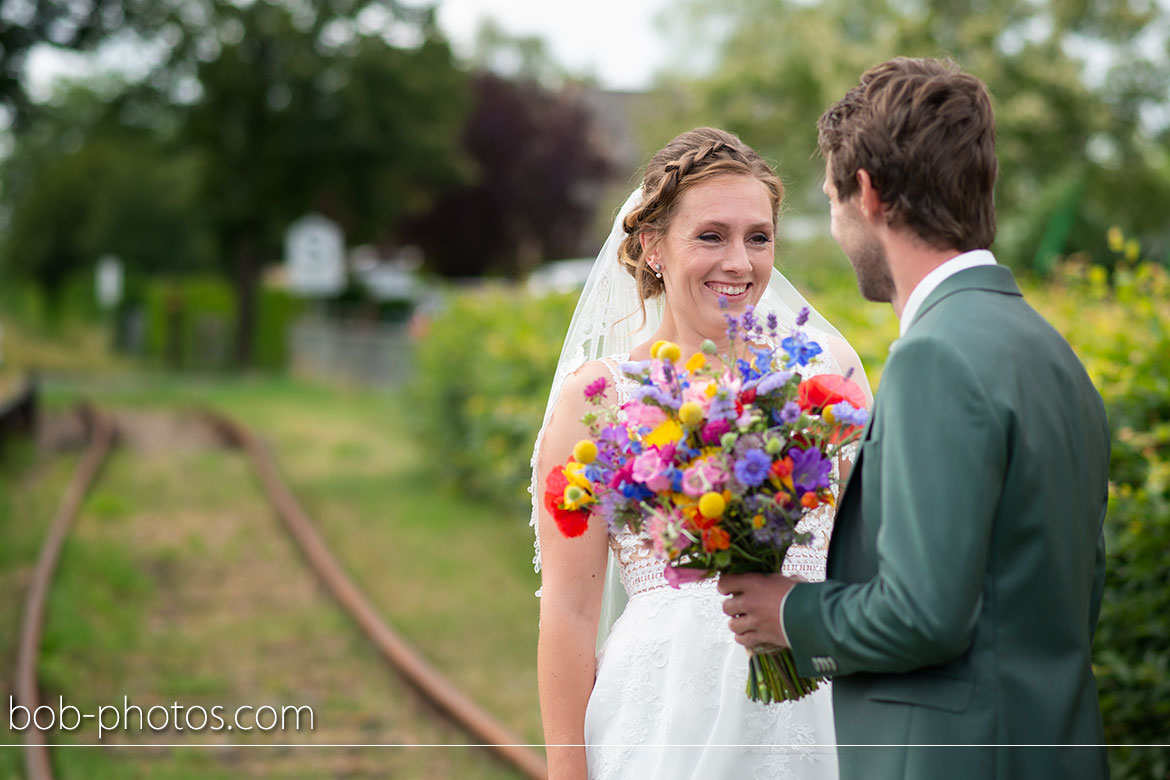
<point x="772" y="677"/>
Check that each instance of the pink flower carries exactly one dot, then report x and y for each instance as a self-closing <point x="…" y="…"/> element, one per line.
<point x="651" y="471"/>
<point x="677" y="577"/>
<point x="639" y="414"/>
<point x="595" y="389"/>
<point x="697" y="392"/>
<point x="713" y="431"/>
<point x="703" y="476"/>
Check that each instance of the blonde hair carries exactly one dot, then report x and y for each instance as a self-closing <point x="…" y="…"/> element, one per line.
<point x="688" y="160"/>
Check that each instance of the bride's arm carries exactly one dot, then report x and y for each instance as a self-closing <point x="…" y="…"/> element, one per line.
<point x="573" y="572"/>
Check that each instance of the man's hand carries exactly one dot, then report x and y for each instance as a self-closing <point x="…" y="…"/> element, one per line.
<point x="754" y="607"/>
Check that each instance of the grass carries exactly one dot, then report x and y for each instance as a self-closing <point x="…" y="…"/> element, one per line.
<point x="178" y="585"/>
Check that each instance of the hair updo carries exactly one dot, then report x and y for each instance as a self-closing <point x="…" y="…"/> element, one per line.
<point x="691" y="158"/>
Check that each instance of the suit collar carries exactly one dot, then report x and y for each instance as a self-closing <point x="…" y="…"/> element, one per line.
<point x="988" y="278"/>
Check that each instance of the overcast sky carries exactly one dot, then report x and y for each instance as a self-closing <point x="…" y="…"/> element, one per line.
<point x="617" y="41"/>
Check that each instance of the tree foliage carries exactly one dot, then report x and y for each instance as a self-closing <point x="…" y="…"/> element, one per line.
<point x="1069" y="97"/>
<point x="539" y="168"/>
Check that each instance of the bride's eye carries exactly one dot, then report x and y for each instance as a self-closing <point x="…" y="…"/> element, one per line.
<point x="761" y="238"/>
<point x="708" y="236"/>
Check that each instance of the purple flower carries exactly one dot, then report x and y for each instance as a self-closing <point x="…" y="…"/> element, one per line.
<point x="802" y="316"/>
<point x="849" y="414"/>
<point x="810" y="469"/>
<point x="753" y="467"/>
<point x="790" y="413"/>
<point x="635" y="369"/>
<point x="773" y="323"/>
<point x="657" y="395"/>
<point x="772" y="382"/>
<point x="748" y="320"/>
<point x="722" y="408"/>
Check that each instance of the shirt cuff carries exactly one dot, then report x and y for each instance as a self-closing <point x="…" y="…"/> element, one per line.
<point x="783" y="633"/>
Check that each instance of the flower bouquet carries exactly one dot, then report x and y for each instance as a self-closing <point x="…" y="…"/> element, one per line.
<point x="716" y="460"/>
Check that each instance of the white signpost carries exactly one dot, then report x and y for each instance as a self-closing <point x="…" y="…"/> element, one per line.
<point x="314" y="251"/>
<point x="108" y="281"/>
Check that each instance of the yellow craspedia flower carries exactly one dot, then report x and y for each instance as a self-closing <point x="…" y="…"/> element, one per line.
<point x="1115" y="238"/>
<point x="759" y="521"/>
<point x="1133" y="248"/>
<point x="669" y="351"/>
<point x="585" y="451"/>
<point x="667" y="432"/>
<point x="657" y="345"/>
<point x="697" y="361"/>
<point x="711" y="505"/>
<point x="575" y="474"/>
<point x="690" y="413"/>
<point x="576" y="498"/>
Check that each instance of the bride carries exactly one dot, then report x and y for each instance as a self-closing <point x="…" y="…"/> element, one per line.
<point x="637" y="679"/>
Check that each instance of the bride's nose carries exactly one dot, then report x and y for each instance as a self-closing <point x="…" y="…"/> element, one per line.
<point x="736" y="260"/>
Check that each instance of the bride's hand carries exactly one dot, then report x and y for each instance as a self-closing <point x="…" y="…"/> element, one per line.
<point x="753" y="606"/>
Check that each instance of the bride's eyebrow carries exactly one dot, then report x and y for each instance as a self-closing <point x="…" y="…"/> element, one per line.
<point x="717" y="225"/>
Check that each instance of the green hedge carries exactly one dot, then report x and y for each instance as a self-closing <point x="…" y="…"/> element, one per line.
<point x="190" y="324"/>
<point x="486" y="360"/>
<point x="484" y="367"/>
<point x="1121" y="329"/>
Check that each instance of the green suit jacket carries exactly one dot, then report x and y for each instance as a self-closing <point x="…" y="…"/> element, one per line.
<point x="967" y="562"/>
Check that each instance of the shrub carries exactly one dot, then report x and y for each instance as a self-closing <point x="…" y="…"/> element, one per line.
<point x="1121" y="329"/>
<point x="484" y="368"/>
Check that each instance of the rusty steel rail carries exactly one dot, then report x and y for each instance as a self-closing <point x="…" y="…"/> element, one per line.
<point x="400" y="654"/>
<point x="101" y="440"/>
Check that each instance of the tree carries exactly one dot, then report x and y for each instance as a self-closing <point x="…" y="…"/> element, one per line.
<point x="540" y="165"/>
<point x="317" y="111"/>
<point x="1074" y="155"/>
<point x="81" y="183"/>
<point x="79" y="25"/>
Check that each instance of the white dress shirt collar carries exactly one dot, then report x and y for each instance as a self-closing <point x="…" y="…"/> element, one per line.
<point x="933" y="279"/>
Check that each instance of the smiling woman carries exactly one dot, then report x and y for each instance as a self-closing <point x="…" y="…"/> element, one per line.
<point x="664" y="696"/>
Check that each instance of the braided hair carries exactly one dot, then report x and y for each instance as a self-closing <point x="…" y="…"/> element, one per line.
<point x="691" y="158"/>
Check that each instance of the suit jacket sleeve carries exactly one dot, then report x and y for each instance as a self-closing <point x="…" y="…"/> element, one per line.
<point x="930" y="481"/>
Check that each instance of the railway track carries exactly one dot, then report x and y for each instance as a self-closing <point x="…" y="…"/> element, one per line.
<point x="397" y="651"/>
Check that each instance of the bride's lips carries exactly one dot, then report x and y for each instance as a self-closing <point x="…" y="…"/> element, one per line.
<point x="732" y="292"/>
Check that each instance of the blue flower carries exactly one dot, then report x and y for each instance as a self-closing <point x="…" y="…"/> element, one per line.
<point x="722" y="408"/>
<point x="773" y="381"/>
<point x="753" y="467"/>
<point x="789" y="414"/>
<point x="746" y="371"/>
<point x="657" y="395"/>
<point x="849" y="414"/>
<point x="800" y="348"/>
<point x="635" y="368"/>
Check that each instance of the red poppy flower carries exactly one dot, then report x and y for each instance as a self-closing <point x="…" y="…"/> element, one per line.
<point x="572" y="522"/>
<point x="827" y="389"/>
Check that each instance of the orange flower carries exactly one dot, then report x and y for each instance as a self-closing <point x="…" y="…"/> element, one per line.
<point x="809" y="500"/>
<point x="715" y="539"/>
<point x="782" y="472"/>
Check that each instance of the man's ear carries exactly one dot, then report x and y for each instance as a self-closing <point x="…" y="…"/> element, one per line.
<point x="869" y="200"/>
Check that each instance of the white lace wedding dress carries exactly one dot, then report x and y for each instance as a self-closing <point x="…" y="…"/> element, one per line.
<point x="669" y="697"/>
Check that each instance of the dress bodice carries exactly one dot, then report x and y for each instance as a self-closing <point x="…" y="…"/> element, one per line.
<point x="641" y="571"/>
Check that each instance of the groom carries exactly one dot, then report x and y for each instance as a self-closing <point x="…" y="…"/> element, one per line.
<point x="966" y="564"/>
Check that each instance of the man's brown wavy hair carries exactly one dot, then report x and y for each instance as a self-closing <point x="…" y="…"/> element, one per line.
<point x="925" y="133"/>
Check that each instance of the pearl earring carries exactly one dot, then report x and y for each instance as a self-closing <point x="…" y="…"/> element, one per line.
<point x="657" y="271"/>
